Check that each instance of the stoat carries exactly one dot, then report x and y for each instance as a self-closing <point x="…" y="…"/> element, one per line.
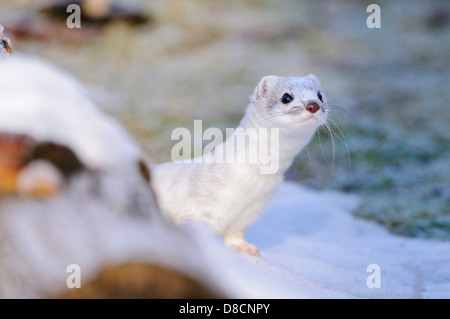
<point x="227" y="194"/>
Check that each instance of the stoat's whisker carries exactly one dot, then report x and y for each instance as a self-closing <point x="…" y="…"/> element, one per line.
<point x="334" y="106"/>
<point x="331" y="123"/>
<point x="333" y="145"/>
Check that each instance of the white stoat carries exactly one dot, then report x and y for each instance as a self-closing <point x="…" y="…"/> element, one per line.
<point x="285" y="113"/>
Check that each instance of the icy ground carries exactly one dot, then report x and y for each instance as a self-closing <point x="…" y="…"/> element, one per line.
<point x="311" y="243"/>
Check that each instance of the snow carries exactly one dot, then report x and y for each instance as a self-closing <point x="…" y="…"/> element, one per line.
<point x="50" y="105"/>
<point x="310" y="240"/>
<point x="311" y="245"/>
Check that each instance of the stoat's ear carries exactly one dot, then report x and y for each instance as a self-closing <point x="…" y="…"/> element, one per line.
<point x="314" y="78"/>
<point x="264" y="86"/>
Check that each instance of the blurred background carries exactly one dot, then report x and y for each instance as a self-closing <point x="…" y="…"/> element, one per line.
<point x="389" y="88"/>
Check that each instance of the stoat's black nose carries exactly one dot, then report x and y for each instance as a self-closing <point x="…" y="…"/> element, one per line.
<point x="313" y="107"/>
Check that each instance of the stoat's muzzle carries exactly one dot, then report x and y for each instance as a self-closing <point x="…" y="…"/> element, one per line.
<point x="312" y="107"/>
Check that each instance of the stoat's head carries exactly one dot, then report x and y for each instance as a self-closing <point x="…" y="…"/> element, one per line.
<point x="289" y="102"/>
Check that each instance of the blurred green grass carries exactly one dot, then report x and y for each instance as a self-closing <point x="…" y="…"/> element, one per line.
<point x="201" y="60"/>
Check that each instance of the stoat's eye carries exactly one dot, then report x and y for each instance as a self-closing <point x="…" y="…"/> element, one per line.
<point x="319" y="95"/>
<point x="286" y="98"/>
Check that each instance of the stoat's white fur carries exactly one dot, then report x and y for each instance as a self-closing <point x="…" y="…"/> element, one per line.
<point x="229" y="197"/>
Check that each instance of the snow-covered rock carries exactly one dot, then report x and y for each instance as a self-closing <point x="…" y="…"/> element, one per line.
<point x="106" y="213"/>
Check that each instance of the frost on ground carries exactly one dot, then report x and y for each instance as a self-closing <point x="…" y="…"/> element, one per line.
<point x="310" y="240"/>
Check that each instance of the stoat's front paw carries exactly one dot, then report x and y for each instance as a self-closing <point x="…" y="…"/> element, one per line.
<point x="247" y="248"/>
<point x="238" y="243"/>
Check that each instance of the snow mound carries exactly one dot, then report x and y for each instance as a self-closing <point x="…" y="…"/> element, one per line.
<point x="48" y="104"/>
